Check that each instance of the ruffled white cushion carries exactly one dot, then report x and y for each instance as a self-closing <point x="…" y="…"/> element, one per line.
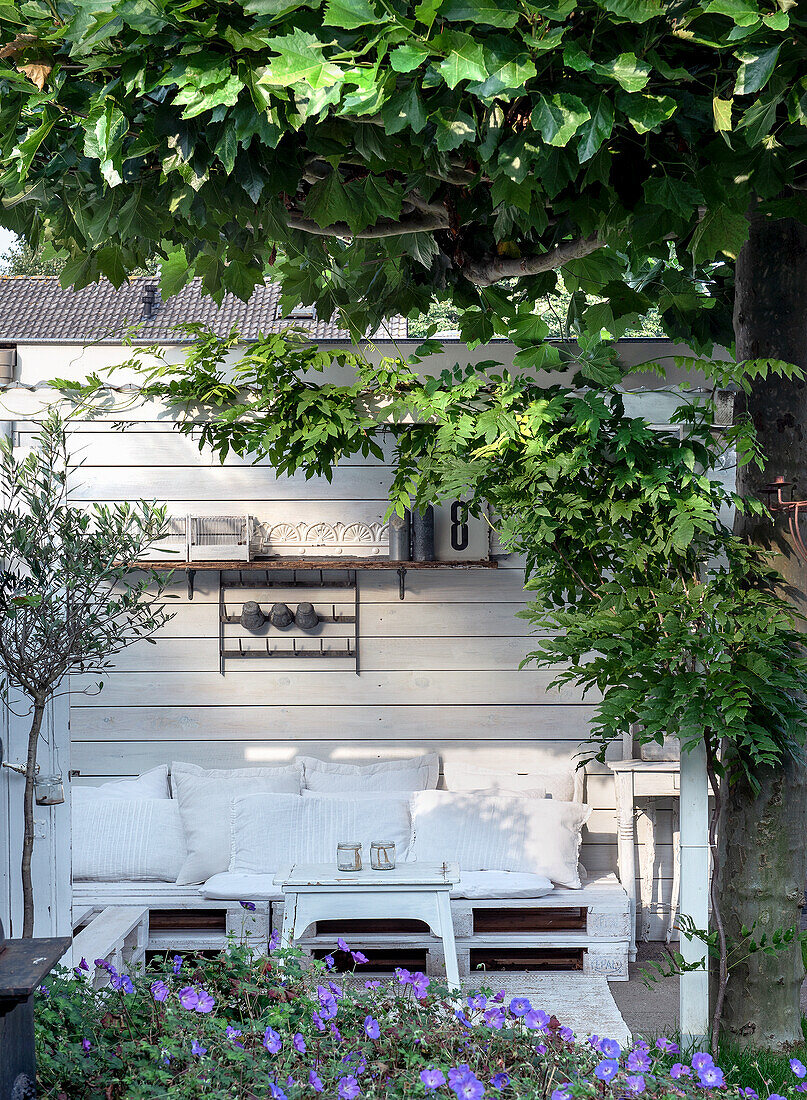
<point x="138" y="840"/>
<point x="152" y="784"/>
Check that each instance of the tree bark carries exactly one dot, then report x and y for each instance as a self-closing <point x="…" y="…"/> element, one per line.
<point x="763" y="837"/>
<point x="28" y="812"/>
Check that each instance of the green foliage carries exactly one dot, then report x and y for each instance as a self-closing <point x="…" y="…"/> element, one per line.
<point x="374" y="155"/>
<point x="68" y="601"/>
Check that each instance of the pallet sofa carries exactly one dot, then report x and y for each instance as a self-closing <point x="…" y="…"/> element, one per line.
<point x="498" y="926"/>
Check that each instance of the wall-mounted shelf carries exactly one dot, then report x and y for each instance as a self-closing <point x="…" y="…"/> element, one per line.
<point x="349" y="650"/>
<point x="310" y="564"/>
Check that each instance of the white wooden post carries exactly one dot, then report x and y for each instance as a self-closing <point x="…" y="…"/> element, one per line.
<point x="694" y="990"/>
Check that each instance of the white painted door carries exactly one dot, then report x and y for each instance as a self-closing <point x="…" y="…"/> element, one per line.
<point x="52" y="848"/>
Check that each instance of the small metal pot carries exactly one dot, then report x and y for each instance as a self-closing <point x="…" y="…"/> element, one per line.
<point x="281" y="616"/>
<point x="306" y="616"/>
<point x="252" y="618"/>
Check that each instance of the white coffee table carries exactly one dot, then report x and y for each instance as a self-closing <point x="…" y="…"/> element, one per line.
<point x="413" y="891"/>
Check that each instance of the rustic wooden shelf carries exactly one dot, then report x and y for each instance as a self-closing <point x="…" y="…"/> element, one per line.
<point x="264" y="564"/>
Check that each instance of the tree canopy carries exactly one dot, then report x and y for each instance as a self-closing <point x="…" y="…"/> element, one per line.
<point x="375" y="153"/>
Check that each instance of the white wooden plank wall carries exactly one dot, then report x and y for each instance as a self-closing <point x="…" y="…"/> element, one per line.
<point x="439" y="670"/>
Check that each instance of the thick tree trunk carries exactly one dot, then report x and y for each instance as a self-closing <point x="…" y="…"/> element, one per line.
<point x="763" y="837"/>
<point x="28" y="812"/>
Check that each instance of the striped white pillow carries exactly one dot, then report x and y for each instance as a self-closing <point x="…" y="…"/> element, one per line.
<point x="127" y="840"/>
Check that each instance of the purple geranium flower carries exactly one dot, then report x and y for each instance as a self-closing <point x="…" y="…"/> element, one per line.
<point x="272" y="1041"/>
<point x="478" y="1002"/>
<point x="494" y="1017"/>
<point x="330" y="962"/>
<point x="298" y="1042"/>
<point x="188" y="998"/>
<point x="606" y="1069"/>
<point x="432" y="1078"/>
<point x="635" y="1083"/>
<point x="318" y="1021"/>
<point x="420" y="984"/>
<point x="536" y="1019"/>
<point x="562" y="1093"/>
<point x="798" y="1067"/>
<point x="463" y="1019"/>
<point x="276" y="1092"/>
<point x="205" y="1002"/>
<point x="371" y="1028"/>
<point x="749" y="1094"/>
<point x="403" y="975"/>
<point x="177" y="964"/>
<point x="666" y="1046"/>
<point x="639" y="1061"/>
<point x="775" y="1096"/>
<point x="159" y="990"/>
<point x="197" y="1048"/>
<point x="499" y="1081"/>
<point x="315" y="1081"/>
<point x="468" y="1087"/>
<point x="359" y="957"/>
<point x="342" y="945"/>
<point x="679" y="1070"/>
<point x="520" y="1006"/>
<point x="233" y="1033"/>
<point x="701" y="1060"/>
<point x="349" y="1088"/>
<point x="248" y="905"/>
<point x="611" y="1048"/>
<point x="86" y="1045"/>
<point x="566" y="1034"/>
<point x="711" y="1077"/>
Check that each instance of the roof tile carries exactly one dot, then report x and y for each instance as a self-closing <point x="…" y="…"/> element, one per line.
<point x="37" y="309"/>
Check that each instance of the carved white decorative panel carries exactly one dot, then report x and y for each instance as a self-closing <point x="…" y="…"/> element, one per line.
<point x="351" y="540"/>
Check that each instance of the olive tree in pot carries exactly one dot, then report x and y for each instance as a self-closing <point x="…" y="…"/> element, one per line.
<point x="68" y="600"/>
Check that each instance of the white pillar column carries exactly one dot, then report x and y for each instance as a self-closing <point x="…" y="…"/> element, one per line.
<point x="694" y="993"/>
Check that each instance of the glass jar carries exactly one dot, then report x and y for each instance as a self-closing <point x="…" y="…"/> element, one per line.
<point x="382" y="856"/>
<point x="348" y="857"/>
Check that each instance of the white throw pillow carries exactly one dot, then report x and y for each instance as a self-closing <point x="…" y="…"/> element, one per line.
<point x="152" y="784"/>
<point x="274" y="772"/>
<point x="204" y="804"/>
<point x="562" y="783"/>
<point x="272" y="831"/>
<point x="420" y="773"/>
<point x="499" y="832"/>
<point x="127" y="840"/>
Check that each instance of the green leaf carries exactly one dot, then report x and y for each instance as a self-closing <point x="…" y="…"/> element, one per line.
<point x="301" y="61"/>
<point x="491" y="13"/>
<point x="721" y="230"/>
<point x="404" y="109"/>
<point x="597" y="130"/>
<point x="174" y="274"/>
<point x="103" y="139"/>
<point x="465" y="58"/>
<point x="721" y="112"/>
<point x="760" y="118"/>
<point x="755" y="70"/>
<point x="454" y="127"/>
<point x="630" y="73"/>
<point x="328" y="201"/>
<point x="646" y="112"/>
<point x="349" y="14"/>
<point x="633" y="11"/>
<point x="407" y="58"/>
<point x="559" y="118"/>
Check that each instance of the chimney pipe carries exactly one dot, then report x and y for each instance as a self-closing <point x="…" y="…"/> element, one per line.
<point x="149" y="301"/>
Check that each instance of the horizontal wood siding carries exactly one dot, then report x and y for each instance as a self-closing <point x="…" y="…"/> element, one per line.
<point x="439" y="670"/>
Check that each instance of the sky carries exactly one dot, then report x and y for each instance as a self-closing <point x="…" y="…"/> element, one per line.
<point x="6" y="238"/>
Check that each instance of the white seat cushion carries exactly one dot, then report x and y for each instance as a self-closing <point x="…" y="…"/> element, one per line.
<point x="237" y="886"/>
<point x="233" y="886"/>
<point x="476" y="885"/>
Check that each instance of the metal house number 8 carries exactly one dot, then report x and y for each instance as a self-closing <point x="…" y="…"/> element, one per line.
<point x="459" y="528"/>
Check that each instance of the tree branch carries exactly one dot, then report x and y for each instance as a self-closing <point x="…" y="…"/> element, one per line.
<point x="420" y="222"/>
<point x="492" y="269"/>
